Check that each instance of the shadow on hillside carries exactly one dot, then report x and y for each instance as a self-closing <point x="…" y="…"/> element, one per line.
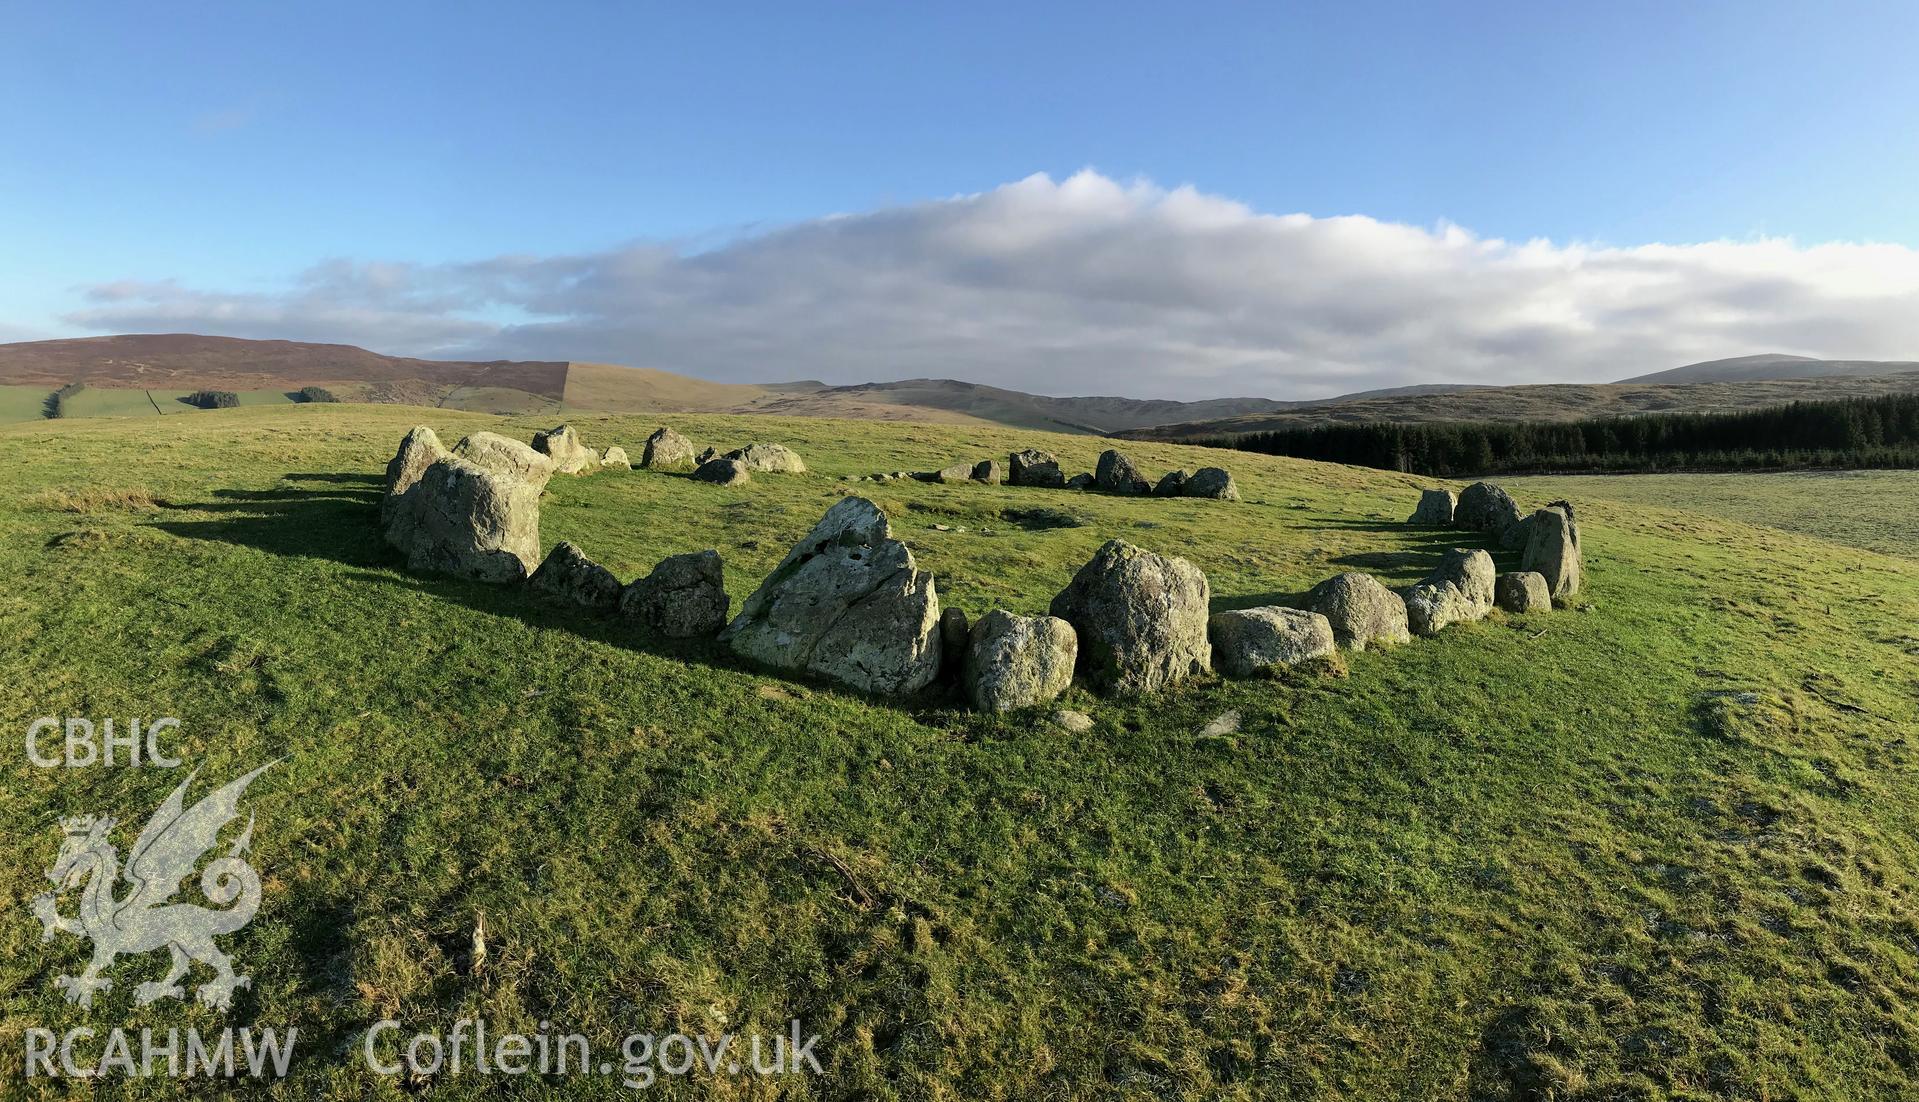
<point x="338" y="522"/>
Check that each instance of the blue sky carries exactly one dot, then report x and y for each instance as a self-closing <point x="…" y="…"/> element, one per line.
<point x="227" y="148"/>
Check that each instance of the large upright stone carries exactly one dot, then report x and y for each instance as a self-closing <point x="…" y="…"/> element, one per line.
<point x="1435" y="507"/>
<point x="846" y="603"/>
<point x="1031" y="467"/>
<point x="1250" y="641"/>
<point x="1115" y="474"/>
<point x="1018" y="661"/>
<point x="568" y="576"/>
<point x="562" y="445"/>
<point x="1432" y="606"/>
<point x="1485" y="507"/>
<point x="1471" y="571"/>
<point x="1141" y="619"/>
<point x="989" y="471"/>
<point x="1552" y="549"/>
<point x="683" y="598"/>
<point x="1213" y="482"/>
<point x="1360" y="609"/>
<point x="768" y="458"/>
<point x="667" y="450"/>
<point x="479" y="511"/>
<point x="399" y="508"/>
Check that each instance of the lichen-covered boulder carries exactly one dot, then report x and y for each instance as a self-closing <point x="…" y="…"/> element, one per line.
<point x="399" y="513"/>
<point x="1361" y="610"/>
<point x="683" y="598"/>
<point x="768" y="458"/>
<point x="1115" y="474"/>
<point x="958" y="472"/>
<point x="667" y="450"/>
<point x="568" y="576"/>
<point x="1018" y="661"/>
<point x="1523" y="591"/>
<point x="1171" y="484"/>
<point x="722" y="472"/>
<point x="1031" y="467"/>
<point x="989" y="471"/>
<point x="478" y="514"/>
<point x="1470" y="571"/>
<point x="1081" y="481"/>
<point x="562" y="445"/>
<point x="847" y="603"/>
<point x="1485" y="507"/>
<point x="615" y="457"/>
<point x="1251" y="641"/>
<point x="1141" y="619"/>
<point x="1432" y="606"/>
<point x="1213" y="482"/>
<point x="1552" y="549"/>
<point x="1435" y="507"/>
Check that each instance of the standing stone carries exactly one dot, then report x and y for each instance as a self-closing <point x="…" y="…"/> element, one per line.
<point x="723" y="472"/>
<point x="667" y="450"/>
<point x="1523" y="591"/>
<point x="1360" y="609"/>
<point x="479" y="511"/>
<point x="1115" y="474"/>
<point x="615" y="457"/>
<point x="1141" y="619"/>
<point x="1172" y="484"/>
<point x="1431" y="606"/>
<point x="989" y="471"/>
<point x="683" y="598"/>
<point x="1552" y="549"/>
<point x="1018" y="661"/>
<point x="768" y="458"/>
<point x="562" y="445"/>
<point x="846" y="603"/>
<point x="1435" y="507"/>
<point x="1080" y="481"/>
<point x="1030" y="467"/>
<point x="399" y="508"/>
<point x="1213" y="482"/>
<point x="1250" y="641"/>
<point x="958" y="472"/>
<point x="1485" y="507"/>
<point x="568" y="575"/>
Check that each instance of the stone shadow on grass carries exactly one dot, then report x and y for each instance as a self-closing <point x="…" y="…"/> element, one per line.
<point x="341" y="525"/>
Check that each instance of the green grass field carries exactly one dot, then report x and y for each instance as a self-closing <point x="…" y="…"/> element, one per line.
<point x="1553" y="857"/>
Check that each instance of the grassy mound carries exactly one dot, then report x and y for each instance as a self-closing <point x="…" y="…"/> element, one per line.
<point x="1663" y="847"/>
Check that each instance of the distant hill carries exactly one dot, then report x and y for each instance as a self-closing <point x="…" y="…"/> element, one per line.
<point x="1773" y="365"/>
<point x="1542" y="402"/>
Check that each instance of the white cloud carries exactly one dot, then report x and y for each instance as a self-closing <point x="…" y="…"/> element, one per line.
<point x="1093" y="286"/>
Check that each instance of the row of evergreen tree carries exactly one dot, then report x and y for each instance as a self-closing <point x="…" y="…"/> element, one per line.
<point x="1847" y="432"/>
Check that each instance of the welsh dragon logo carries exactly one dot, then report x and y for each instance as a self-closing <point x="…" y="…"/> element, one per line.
<point x="165" y="854"/>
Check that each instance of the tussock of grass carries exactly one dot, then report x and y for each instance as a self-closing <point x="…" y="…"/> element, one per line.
<point x="93" y="500"/>
<point x="1505" y="864"/>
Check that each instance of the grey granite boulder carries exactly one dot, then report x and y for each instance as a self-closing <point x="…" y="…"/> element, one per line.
<point x="667" y="450"/>
<point x="1171" y="484"/>
<point x="722" y="472"/>
<point x="1251" y="641"/>
<point x="1435" y="507"/>
<point x="1018" y="661"/>
<point x="1362" y="611"/>
<point x="1470" y="571"/>
<point x="683" y="598"/>
<point x="399" y="508"/>
<point x="1484" y="507"/>
<point x="1141" y="619"/>
<point x="1432" y="606"/>
<point x="1523" y="591"/>
<point x="562" y="445"/>
<point x="1031" y="467"/>
<point x="768" y="459"/>
<point x="1213" y="482"/>
<point x="1081" y="481"/>
<point x="568" y="576"/>
<point x="989" y="471"/>
<point x="1115" y="474"/>
<point x="615" y="457"/>
<point x="847" y="603"/>
<point x="478" y="515"/>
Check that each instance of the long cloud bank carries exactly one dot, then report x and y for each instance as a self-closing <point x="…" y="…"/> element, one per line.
<point x="1092" y="286"/>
